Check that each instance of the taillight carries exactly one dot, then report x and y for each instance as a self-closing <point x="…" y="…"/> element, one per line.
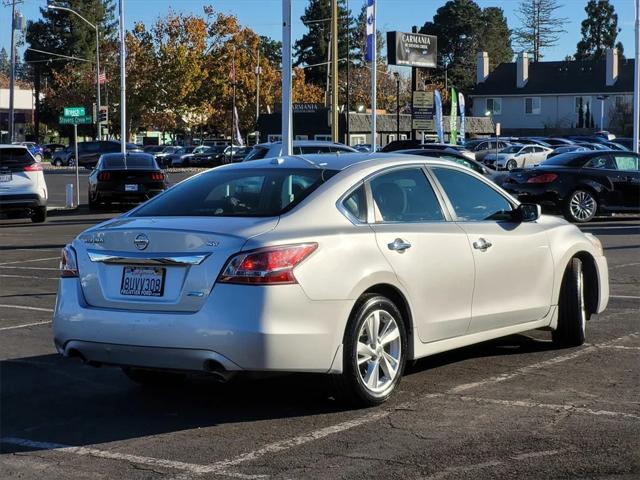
<point x="34" y="167"/>
<point x="159" y="176"/>
<point x="104" y="176"/>
<point x="68" y="263"/>
<point x="544" y="178"/>
<point x="266" y="266"/>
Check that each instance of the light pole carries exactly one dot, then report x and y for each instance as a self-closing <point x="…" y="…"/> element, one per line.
<point x="602" y="98"/>
<point x="636" y="81"/>
<point x="123" y="87"/>
<point x="397" y="77"/>
<point x="287" y="117"/>
<point x="95" y="27"/>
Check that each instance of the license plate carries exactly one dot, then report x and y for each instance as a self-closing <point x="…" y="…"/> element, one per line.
<point x="131" y="188"/>
<point x="142" y="281"/>
<point x="5" y="177"/>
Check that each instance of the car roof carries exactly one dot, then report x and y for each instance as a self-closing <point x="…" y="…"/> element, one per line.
<point x="341" y="161"/>
<point x="9" y="145"/>
<point x="303" y="143"/>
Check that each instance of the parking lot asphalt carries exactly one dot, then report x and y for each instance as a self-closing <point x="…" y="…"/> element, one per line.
<point x="509" y="408"/>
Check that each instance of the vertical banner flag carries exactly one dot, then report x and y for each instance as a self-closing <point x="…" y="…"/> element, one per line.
<point x="439" y="124"/>
<point x="461" y="107"/>
<point x="238" y="135"/>
<point x="453" y="118"/>
<point x="371" y="30"/>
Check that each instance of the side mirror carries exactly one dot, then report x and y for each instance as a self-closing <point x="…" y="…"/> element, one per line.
<point x="529" y="212"/>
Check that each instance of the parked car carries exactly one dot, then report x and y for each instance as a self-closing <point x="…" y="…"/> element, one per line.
<point x="266" y="266"/>
<point x="163" y="155"/>
<point x="240" y="154"/>
<point x="90" y="152"/>
<point x="581" y="184"/>
<point x="178" y="157"/>
<point x="209" y="156"/>
<point x="34" y="148"/>
<point x="568" y="149"/>
<point x="49" y="149"/>
<point x="23" y="189"/>
<point x="401" y="145"/>
<point x="625" y="142"/>
<point x="153" y="149"/>
<point x="554" y="141"/>
<point x="300" y="147"/>
<point x="366" y="147"/>
<point x="517" y="156"/>
<point x="448" y="147"/>
<point x="482" y="148"/>
<point x="458" y="158"/>
<point x="114" y="181"/>
<point x="587" y="138"/>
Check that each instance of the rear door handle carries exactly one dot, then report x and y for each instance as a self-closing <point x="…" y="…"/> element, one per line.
<point x="482" y="245"/>
<point x="399" y="245"/>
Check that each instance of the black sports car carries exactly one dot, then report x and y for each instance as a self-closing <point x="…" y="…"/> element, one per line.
<point x="581" y="184"/>
<point x="458" y="158"/>
<point x="114" y="181"/>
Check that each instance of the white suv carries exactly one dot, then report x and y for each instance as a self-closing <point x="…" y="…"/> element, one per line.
<point x="22" y="185"/>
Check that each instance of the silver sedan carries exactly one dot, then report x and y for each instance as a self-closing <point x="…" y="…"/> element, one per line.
<point x="347" y="265"/>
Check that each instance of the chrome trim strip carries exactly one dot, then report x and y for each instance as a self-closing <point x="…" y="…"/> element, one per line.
<point x="133" y="259"/>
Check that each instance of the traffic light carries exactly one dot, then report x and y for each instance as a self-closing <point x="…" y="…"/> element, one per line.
<point x="103" y="114"/>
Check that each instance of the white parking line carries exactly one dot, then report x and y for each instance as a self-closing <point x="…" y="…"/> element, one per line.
<point x="537" y="366"/>
<point x="30" y="268"/>
<point x="6" y="275"/>
<point x="611" y="227"/>
<point x="625" y="296"/>
<point x="25" y="307"/>
<point x="15" y="327"/>
<point x="29" y="261"/>
<point x="549" y="406"/>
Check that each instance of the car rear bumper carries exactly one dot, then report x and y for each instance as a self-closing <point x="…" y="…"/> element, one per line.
<point x="531" y="193"/>
<point x="251" y="328"/>
<point x="21" y="202"/>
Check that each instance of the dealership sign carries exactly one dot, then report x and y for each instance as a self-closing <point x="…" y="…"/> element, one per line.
<point x="422" y="111"/>
<point x="411" y="49"/>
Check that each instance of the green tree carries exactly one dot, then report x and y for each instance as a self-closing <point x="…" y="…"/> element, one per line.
<point x="599" y="31"/>
<point x="495" y="37"/>
<point x="540" y="26"/>
<point x="458" y="24"/>
<point x="313" y="47"/>
<point x="271" y="50"/>
<point x="5" y="63"/>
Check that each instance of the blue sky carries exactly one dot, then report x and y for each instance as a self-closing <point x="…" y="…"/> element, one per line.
<point x="264" y="16"/>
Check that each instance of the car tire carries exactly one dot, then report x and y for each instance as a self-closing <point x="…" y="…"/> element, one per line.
<point x="511" y="164"/>
<point x="94" y="203"/>
<point x="368" y="382"/>
<point x="572" y="308"/>
<point x="581" y="206"/>
<point x="39" y="215"/>
<point x="38" y="157"/>
<point x="153" y="378"/>
<point x="71" y="162"/>
<point x="57" y="162"/>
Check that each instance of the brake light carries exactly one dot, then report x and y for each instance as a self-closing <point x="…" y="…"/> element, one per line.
<point x="544" y="178"/>
<point x="68" y="263"/>
<point x="159" y="176"/>
<point x="104" y="176"/>
<point x="34" y="167"/>
<point x="266" y="266"/>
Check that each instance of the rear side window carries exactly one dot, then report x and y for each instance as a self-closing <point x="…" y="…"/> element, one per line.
<point x="237" y="193"/>
<point x="626" y="162"/>
<point x="472" y="199"/>
<point x="15" y="157"/>
<point x="405" y="195"/>
<point x="133" y="161"/>
<point x="309" y="149"/>
<point x="356" y="204"/>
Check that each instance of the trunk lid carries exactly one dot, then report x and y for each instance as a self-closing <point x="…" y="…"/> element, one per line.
<point x="188" y="253"/>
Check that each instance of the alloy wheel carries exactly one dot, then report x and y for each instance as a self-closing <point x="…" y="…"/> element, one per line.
<point x="379" y="351"/>
<point x="582" y="205"/>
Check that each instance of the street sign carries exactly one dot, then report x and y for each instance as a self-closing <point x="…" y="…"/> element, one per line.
<point x="74" y="111"/>
<point x="422" y="111"/>
<point x="77" y="120"/>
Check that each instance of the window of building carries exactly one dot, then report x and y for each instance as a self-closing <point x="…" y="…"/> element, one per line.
<point x="403" y="136"/>
<point x="302" y="137"/>
<point x="357" y="139"/>
<point x="494" y="106"/>
<point x="584" y="101"/>
<point x="391" y="137"/>
<point x="274" y="138"/>
<point x="324" y="138"/>
<point x="532" y="105"/>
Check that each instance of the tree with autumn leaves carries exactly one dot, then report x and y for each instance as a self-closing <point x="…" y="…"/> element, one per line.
<point x="180" y="75"/>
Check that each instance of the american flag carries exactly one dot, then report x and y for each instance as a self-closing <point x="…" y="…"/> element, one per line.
<point x="102" y="78"/>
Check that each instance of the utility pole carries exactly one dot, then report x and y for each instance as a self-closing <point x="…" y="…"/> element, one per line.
<point x="258" y="72"/>
<point x="12" y="79"/>
<point x="334" y="71"/>
<point x="123" y="87"/>
<point x="287" y="117"/>
<point x="636" y="82"/>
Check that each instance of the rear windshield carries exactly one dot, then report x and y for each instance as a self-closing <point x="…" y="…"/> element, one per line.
<point x="116" y="162"/>
<point x="237" y="193"/>
<point x="571" y="159"/>
<point x="10" y="157"/>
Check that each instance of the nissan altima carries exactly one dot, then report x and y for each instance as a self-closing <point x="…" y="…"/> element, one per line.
<point x="346" y="265"/>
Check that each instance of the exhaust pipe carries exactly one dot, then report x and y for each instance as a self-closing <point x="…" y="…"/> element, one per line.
<point x="217" y="370"/>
